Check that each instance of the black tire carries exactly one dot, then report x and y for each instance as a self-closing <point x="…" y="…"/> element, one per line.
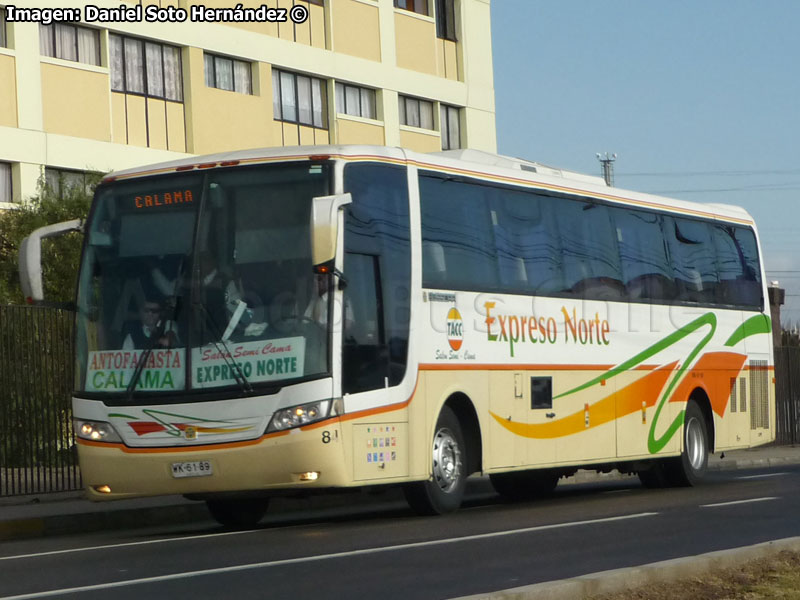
<point x="444" y="491"/>
<point x="524" y="485"/>
<point x="690" y="468"/>
<point x="241" y="513"/>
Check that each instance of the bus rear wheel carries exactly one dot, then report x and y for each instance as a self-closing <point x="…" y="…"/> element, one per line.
<point x="444" y="491"/>
<point x="690" y="468"/>
<point x="239" y="513"/>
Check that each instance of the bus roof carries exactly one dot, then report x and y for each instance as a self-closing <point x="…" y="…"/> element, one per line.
<point x="467" y="163"/>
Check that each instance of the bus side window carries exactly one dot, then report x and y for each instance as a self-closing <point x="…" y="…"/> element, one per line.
<point x="365" y="356"/>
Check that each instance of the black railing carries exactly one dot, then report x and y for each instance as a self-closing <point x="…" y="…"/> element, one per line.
<point x="787" y="394"/>
<point x="37" y="445"/>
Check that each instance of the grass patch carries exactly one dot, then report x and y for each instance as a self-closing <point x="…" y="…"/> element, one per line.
<point x="775" y="577"/>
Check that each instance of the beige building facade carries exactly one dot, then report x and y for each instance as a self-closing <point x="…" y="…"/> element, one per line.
<point x="119" y="89"/>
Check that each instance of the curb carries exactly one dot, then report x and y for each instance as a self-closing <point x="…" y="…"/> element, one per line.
<point x="618" y="580"/>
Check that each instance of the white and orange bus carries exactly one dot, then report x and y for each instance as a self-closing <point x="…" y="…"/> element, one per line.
<point x="335" y="317"/>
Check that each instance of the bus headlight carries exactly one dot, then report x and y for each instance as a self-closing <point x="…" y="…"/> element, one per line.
<point x="303" y="414"/>
<point x="96" y="431"/>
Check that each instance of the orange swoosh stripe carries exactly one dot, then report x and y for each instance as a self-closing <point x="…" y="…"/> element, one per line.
<point x="623" y="402"/>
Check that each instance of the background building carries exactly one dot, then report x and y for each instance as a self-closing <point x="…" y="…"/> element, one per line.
<point x="96" y="96"/>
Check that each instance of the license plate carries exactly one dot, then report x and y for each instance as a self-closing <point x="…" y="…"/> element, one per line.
<point x="195" y="468"/>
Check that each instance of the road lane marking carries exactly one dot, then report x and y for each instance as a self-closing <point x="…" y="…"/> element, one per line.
<point x="125" y="545"/>
<point x="761" y="476"/>
<point x="748" y="501"/>
<point x="306" y="559"/>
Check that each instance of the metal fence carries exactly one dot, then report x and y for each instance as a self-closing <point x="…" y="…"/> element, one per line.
<point x="37" y="452"/>
<point x="787" y="392"/>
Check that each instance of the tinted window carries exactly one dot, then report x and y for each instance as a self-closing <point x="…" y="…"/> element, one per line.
<point x="737" y="257"/>
<point x="528" y="245"/>
<point x="458" y="248"/>
<point x="646" y="271"/>
<point x="693" y="258"/>
<point x="591" y="259"/>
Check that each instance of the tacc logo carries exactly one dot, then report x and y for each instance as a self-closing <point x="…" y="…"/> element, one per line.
<point x="455" y="329"/>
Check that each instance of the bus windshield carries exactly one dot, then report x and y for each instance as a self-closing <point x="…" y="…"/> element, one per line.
<point x="202" y="281"/>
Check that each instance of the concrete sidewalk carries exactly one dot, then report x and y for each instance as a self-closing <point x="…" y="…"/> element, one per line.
<point x="68" y="513"/>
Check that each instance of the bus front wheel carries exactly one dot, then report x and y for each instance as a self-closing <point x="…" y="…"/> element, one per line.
<point x="240" y="513"/>
<point x="444" y="491"/>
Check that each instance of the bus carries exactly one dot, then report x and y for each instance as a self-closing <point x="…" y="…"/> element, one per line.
<point x="472" y="314"/>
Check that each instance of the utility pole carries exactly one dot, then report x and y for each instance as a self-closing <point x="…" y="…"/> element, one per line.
<point x="607" y="162"/>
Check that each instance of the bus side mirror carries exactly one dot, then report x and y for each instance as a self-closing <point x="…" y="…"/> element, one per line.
<point x="325" y="227"/>
<point x="30" y="257"/>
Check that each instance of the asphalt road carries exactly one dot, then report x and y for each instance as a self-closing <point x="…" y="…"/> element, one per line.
<point x="382" y="551"/>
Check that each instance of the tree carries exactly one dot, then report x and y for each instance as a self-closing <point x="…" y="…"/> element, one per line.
<point x="60" y="256"/>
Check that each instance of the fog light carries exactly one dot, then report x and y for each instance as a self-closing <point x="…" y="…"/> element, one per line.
<point x="102" y="489"/>
<point x="309" y="476"/>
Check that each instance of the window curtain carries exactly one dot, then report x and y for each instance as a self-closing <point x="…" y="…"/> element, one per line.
<point x="340" y="106"/>
<point x="3" y="40"/>
<point x="425" y="114"/>
<point x="368" y="110"/>
<point x="66" y="42"/>
<point x="305" y="115"/>
<point x="277" y="113"/>
<point x="352" y="99"/>
<point x="173" y="82"/>
<point x="288" y="102"/>
<point x="208" y="63"/>
<point x="116" y="65"/>
<point x="320" y="101"/>
<point x="243" y="81"/>
<point x="412" y="112"/>
<point x="88" y="46"/>
<point x="154" y="70"/>
<point x="134" y="66"/>
<point x="46" y="43"/>
<point x="224" y="73"/>
<point x="5" y="182"/>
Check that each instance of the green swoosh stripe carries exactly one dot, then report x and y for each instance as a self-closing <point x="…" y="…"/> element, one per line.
<point x="653" y="444"/>
<point x="753" y="326"/>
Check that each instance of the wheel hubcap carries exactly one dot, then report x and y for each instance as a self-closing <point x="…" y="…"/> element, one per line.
<point x="695" y="444"/>
<point x="446" y="460"/>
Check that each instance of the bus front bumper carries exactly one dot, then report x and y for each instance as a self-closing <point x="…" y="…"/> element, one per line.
<point x="293" y="460"/>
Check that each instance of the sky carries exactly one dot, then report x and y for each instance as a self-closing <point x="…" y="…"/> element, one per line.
<point x="699" y="99"/>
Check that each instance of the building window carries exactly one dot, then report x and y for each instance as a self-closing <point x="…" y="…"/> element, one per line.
<point x="5" y="182"/>
<point x="450" y="126"/>
<point x="62" y="181"/>
<point x="228" y="74"/>
<point x="356" y="101"/>
<point x="146" y="68"/>
<point x="417" y="6"/>
<point x="415" y="112"/>
<point x="299" y="99"/>
<point x="70" y="42"/>
<point x="3" y="38"/>
<point x="446" y="19"/>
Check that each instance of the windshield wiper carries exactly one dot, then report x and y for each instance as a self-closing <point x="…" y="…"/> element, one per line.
<point x="173" y="303"/>
<point x="222" y="346"/>
<point x="158" y="332"/>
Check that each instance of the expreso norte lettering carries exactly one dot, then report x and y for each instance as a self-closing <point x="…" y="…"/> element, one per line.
<point x="515" y="329"/>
